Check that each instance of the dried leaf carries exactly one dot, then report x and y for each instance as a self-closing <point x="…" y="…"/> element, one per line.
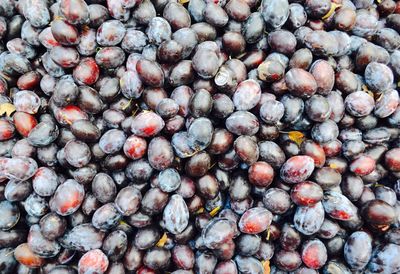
<point x="262" y="71"/>
<point x="162" y="240"/>
<point x="297" y="137"/>
<point x="267" y="269"/>
<point x="183" y="1"/>
<point x="215" y="211"/>
<point x="85" y="28"/>
<point x="378" y="96"/>
<point x="65" y="117"/>
<point x="193" y="153"/>
<point x="366" y="90"/>
<point x="135" y="110"/>
<point x="382" y="228"/>
<point x="7" y="109"/>
<point x="268" y="234"/>
<point x="334" y="6"/>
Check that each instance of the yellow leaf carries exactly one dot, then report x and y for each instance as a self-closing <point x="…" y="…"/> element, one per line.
<point x="215" y="211"/>
<point x="267" y="269"/>
<point x="121" y="82"/>
<point x="183" y="1"/>
<point x="201" y="210"/>
<point x="239" y="56"/>
<point x="334" y="6"/>
<point x="212" y="165"/>
<point x="334" y="166"/>
<point x="296" y="136"/>
<point x="7" y="109"/>
<point x="162" y="241"/>
<point x="127" y="104"/>
<point x="379" y="1"/>
<point x="122" y="222"/>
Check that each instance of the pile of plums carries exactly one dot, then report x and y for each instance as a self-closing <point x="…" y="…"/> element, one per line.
<point x="199" y="136"/>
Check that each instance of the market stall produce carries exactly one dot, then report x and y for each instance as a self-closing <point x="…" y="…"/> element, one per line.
<point x="199" y="136"/>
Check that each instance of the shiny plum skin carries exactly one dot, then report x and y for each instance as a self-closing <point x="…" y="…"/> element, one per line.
<point x="297" y="169"/>
<point x="309" y="219"/>
<point x="255" y="220"/>
<point x="358" y="249"/>
<point x="314" y="254"/>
